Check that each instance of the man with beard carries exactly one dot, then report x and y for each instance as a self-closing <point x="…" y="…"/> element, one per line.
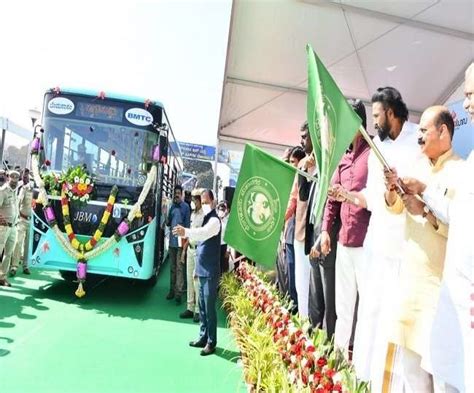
<point x="452" y="339"/>
<point x="397" y="140"/>
<point x="8" y="219"/>
<point x="424" y="250"/>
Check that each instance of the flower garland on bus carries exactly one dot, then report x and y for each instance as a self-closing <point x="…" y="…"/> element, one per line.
<point x="91" y="243"/>
<point x="82" y="254"/>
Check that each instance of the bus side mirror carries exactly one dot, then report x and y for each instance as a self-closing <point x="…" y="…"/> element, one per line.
<point x="160" y="151"/>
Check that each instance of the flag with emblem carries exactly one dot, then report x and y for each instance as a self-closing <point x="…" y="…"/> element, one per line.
<point x="332" y="125"/>
<point x="259" y="205"/>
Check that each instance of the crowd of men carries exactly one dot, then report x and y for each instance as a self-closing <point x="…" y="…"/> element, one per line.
<point x="16" y="194"/>
<point x="388" y="272"/>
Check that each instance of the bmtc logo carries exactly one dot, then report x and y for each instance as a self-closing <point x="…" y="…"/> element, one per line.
<point x="136" y="116"/>
<point x="139" y="117"/>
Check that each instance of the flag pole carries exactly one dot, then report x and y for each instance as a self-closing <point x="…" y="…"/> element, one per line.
<point x="374" y="148"/>
<point x="307" y="175"/>
<point x="379" y="156"/>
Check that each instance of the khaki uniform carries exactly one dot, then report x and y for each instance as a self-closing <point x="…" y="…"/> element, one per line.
<point x="9" y="213"/>
<point x="197" y="219"/>
<point x="20" y="252"/>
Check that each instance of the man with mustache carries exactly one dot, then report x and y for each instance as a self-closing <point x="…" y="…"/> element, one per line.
<point x="397" y="141"/>
<point x="423" y="251"/>
<point x="452" y="338"/>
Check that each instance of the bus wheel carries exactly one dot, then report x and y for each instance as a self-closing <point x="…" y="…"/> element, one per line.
<point x="68" y="275"/>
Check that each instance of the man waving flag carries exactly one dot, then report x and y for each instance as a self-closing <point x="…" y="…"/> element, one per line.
<point x="332" y="125"/>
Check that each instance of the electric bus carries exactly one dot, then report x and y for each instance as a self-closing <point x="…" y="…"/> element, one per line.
<point x="112" y="137"/>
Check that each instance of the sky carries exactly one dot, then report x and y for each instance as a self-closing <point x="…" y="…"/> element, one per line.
<point x="171" y="51"/>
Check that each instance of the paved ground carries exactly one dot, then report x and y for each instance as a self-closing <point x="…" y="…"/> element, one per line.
<point x="119" y="338"/>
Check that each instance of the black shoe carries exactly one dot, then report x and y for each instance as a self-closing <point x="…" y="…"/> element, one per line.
<point x="196" y="317"/>
<point x="208" y="350"/>
<point x="12" y="272"/>
<point x="197" y="344"/>
<point x="169" y="296"/>
<point x="186" y="314"/>
<point x="26" y="271"/>
<point x="178" y="300"/>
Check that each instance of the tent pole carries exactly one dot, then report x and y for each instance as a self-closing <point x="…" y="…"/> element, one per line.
<point x="216" y="159"/>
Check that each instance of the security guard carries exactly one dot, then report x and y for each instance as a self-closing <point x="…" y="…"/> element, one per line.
<point x="8" y="219"/>
<point x="25" y="197"/>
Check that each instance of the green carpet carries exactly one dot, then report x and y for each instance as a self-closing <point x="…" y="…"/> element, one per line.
<point x="120" y="338"/>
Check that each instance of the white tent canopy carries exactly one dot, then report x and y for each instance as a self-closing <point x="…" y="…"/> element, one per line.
<point x="421" y="47"/>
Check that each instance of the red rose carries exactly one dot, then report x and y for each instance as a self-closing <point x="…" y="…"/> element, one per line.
<point x="322" y="362"/>
<point x="47" y="163"/>
<point x="330" y="373"/>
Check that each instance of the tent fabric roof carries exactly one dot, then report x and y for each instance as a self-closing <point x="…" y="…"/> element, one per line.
<point x="420" y="47"/>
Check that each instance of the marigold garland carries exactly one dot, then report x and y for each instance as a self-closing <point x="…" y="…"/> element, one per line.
<point x="92" y="242"/>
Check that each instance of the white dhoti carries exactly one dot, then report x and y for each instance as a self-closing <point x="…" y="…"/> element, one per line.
<point x="350" y="272"/>
<point x="452" y="342"/>
<point x="386" y="374"/>
<point x="302" y="273"/>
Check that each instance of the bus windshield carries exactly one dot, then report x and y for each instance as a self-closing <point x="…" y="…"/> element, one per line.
<point x="112" y="153"/>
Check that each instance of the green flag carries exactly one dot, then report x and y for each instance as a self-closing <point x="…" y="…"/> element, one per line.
<point x="259" y="205"/>
<point x="332" y="125"/>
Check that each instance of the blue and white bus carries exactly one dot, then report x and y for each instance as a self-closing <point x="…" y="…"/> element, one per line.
<point x="113" y="138"/>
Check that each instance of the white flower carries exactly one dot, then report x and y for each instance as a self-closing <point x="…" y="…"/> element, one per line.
<point x="86" y="196"/>
<point x="81" y="181"/>
<point x="337" y="377"/>
<point x="88" y="181"/>
<point x="76" y="179"/>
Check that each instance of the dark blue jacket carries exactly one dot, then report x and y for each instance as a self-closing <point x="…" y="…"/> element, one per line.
<point x="208" y="252"/>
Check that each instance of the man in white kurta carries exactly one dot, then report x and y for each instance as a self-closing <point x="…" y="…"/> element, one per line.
<point x="397" y="141"/>
<point x="423" y="251"/>
<point x="452" y="344"/>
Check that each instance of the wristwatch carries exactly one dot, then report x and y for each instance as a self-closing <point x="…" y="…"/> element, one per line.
<point x="426" y="210"/>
